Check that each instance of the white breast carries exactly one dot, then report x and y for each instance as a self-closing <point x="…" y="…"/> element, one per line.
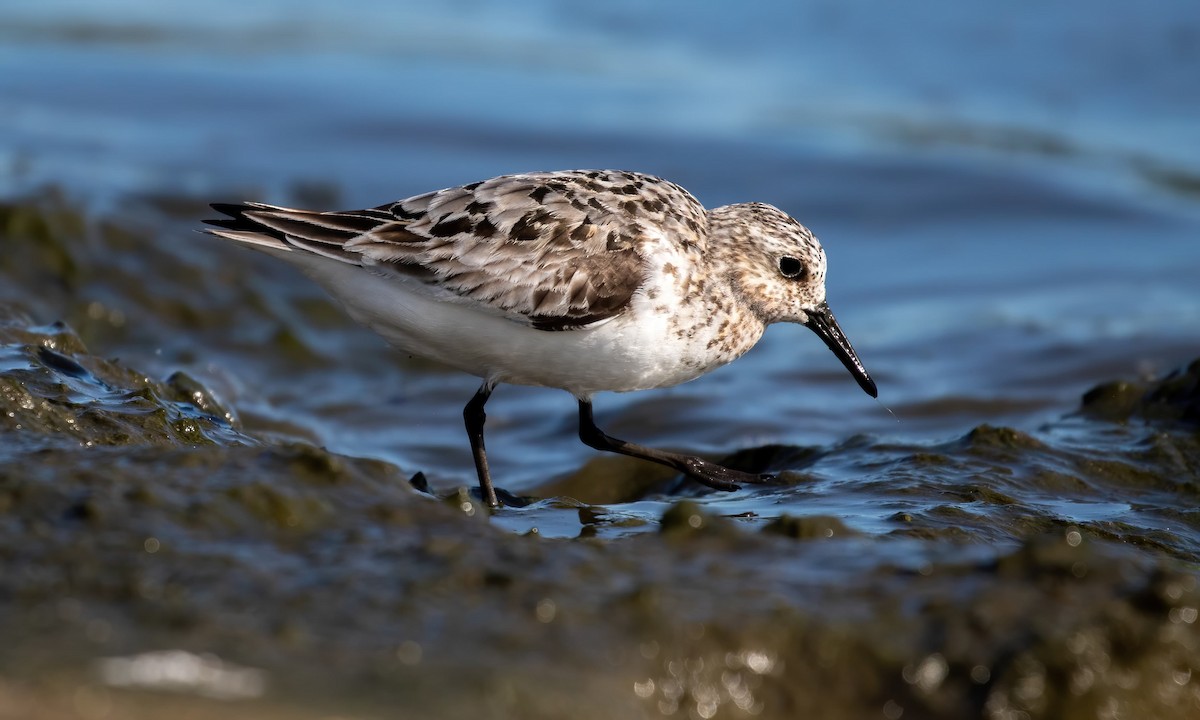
<point x="663" y="339"/>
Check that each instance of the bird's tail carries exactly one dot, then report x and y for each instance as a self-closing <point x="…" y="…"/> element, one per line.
<point x="244" y="228"/>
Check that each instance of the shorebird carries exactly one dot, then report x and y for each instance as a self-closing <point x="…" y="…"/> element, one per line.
<point x="584" y="280"/>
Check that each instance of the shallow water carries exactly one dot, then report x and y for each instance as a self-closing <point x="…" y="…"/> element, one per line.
<point x="1009" y="204"/>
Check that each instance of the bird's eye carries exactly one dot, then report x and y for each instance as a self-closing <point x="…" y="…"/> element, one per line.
<point x="790" y="267"/>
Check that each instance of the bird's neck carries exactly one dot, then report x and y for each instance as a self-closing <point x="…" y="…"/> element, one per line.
<point x="727" y="324"/>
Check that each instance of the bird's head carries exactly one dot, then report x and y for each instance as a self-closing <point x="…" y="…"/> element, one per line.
<point x="779" y="270"/>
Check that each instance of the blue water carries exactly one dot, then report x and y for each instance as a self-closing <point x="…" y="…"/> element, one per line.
<point x="127" y="95"/>
<point x="1008" y="195"/>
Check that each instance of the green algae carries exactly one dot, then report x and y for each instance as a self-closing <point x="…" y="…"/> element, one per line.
<point x="354" y="564"/>
<point x="53" y="387"/>
<point x="1175" y="398"/>
<point x="137" y="513"/>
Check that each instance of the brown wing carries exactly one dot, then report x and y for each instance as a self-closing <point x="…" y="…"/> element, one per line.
<point x="556" y="250"/>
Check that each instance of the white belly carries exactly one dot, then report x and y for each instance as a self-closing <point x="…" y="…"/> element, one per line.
<point x="639" y="349"/>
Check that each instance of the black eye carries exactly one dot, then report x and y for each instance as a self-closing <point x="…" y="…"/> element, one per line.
<point x="790" y="267"/>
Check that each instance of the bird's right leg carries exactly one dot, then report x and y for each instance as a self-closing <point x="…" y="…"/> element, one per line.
<point x="474" y="418"/>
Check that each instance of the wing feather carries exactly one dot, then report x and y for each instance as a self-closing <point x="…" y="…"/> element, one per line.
<point x="556" y="251"/>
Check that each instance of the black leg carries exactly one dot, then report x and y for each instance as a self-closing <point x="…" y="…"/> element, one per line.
<point x="474" y="417"/>
<point x="714" y="476"/>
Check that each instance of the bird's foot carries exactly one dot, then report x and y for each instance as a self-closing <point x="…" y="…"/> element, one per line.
<point x="503" y="498"/>
<point x="719" y="477"/>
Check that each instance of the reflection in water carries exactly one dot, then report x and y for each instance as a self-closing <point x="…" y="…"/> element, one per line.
<point x="181" y="671"/>
<point x="701" y="684"/>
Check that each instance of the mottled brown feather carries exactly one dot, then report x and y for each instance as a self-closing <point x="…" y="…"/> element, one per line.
<point x="498" y="243"/>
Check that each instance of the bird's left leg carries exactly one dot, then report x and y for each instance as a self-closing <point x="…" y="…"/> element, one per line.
<point x="704" y="472"/>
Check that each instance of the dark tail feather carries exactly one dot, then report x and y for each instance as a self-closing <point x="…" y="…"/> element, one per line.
<point x="240" y="221"/>
<point x="282" y="228"/>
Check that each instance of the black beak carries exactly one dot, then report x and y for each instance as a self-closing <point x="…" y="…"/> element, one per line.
<point x="824" y="324"/>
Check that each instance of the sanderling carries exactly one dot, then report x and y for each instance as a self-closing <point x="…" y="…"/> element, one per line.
<point x="580" y="280"/>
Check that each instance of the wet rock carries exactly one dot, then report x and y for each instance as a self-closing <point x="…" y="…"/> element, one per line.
<point x="38" y="238"/>
<point x="1175" y="398"/>
<point x="1002" y="438"/>
<point x="811" y="527"/>
<point x="185" y="388"/>
<point x="686" y="519"/>
<point x="1007" y="575"/>
<point x="772" y="458"/>
<point x="609" y="479"/>
<point x="336" y="579"/>
<point x="51" y="387"/>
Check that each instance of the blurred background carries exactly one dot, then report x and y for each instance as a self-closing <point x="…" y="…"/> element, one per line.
<point x="1008" y="196"/>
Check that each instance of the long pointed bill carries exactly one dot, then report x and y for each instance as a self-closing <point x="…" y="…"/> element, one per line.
<point x="824" y="324"/>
